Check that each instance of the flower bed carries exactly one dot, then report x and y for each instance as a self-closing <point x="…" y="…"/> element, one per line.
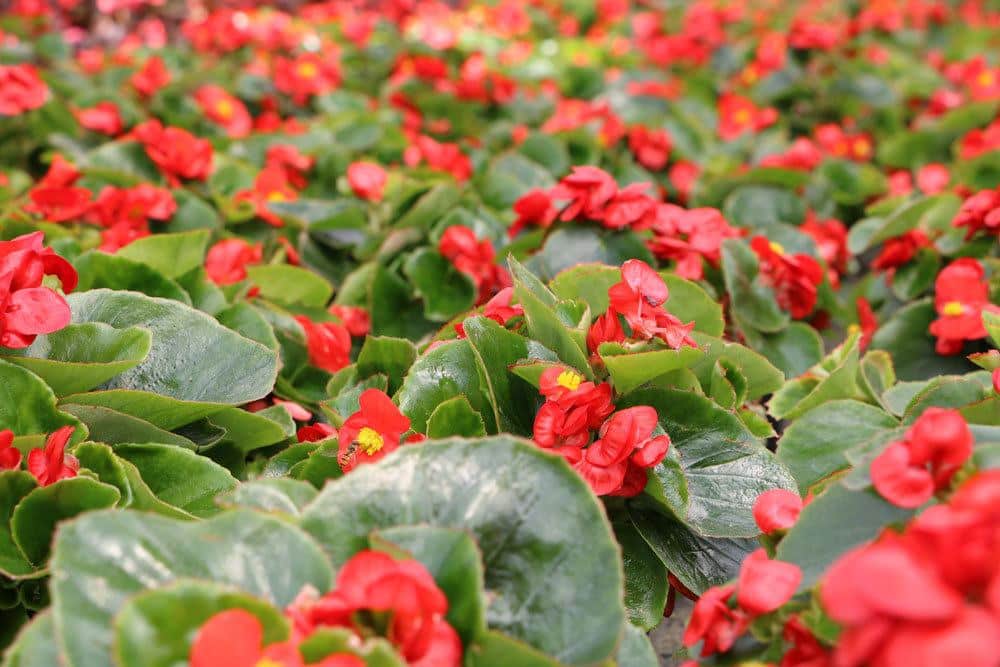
<point x="441" y="335"/>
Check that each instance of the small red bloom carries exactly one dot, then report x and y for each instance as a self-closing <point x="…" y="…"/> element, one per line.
<point x="739" y="114"/>
<point x="152" y="77"/>
<point x="355" y="318"/>
<point x="534" y="207"/>
<point x="225" y="109"/>
<point x="177" y="152"/>
<point x="402" y="593"/>
<point x="764" y="584"/>
<point x="28" y="309"/>
<point x="588" y="190"/>
<point x="961" y="294"/>
<point x="899" y="250"/>
<point x="103" y="117"/>
<point x="315" y="432"/>
<point x="558" y="428"/>
<point x="10" y="456"/>
<point x="690" y="237"/>
<point x="308" y="75"/>
<point x="51" y="464"/>
<point x="372" y="432"/>
<point x="59" y="203"/>
<point x="605" y="329"/>
<point x="980" y="213"/>
<point x="867" y="322"/>
<point x="933" y="178"/>
<point x="125" y="212"/>
<point x="714" y="622"/>
<point x="269" y="186"/>
<point x="630" y="207"/>
<point x="290" y="160"/>
<point x="21" y="89"/>
<point x="806" y="650"/>
<point x="651" y="148"/>
<point x="776" y="510"/>
<point x="329" y="343"/>
<point x="235" y="637"/>
<point x="831" y="240"/>
<point x="802" y="155"/>
<point x="474" y="258"/>
<point x="626" y="443"/>
<point x="794" y="278"/>
<point x="683" y="175"/>
<point x="908" y="472"/>
<point x="226" y="262"/>
<point x="367" y="180"/>
<point x="639" y="298"/>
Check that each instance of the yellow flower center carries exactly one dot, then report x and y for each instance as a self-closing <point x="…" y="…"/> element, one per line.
<point x="862" y="147"/>
<point x="742" y="117"/>
<point x="985" y="79"/>
<point x="308" y="70"/>
<point x="777" y="247"/>
<point x="224" y="108"/>
<point x="267" y="662"/>
<point x="276" y="195"/>
<point x="569" y="380"/>
<point x="369" y="440"/>
<point x="852" y="329"/>
<point x="750" y="74"/>
<point x="953" y="309"/>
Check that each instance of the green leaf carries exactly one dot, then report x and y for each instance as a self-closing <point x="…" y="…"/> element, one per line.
<point x="121" y="553"/>
<point x="497" y="349"/>
<point x="510" y="175"/>
<point x="35" y="645"/>
<point x="447" y="371"/>
<point x="544" y="325"/>
<point x="455" y="417"/>
<point x="761" y="375"/>
<point x="80" y="357"/>
<point x="290" y="285"/>
<point x="574" y="244"/>
<point x="752" y="302"/>
<point x="906" y="338"/>
<point x="690" y="303"/>
<point x="794" y="349"/>
<point x="173" y="255"/>
<point x="156" y="628"/>
<point x="698" y="562"/>
<point x="248" y="431"/>
<point x="430" y="207"/>
<point x="27" y="405"/>
<point x="14" y="485"/>
<point x="395" y="311"/>
<point x="499" y="650"/>
<point x="452" y="558"/>
<point x="631" y="370"/>
<point x="391" y="357"/>
<point x="762" y="206"/>
<point x="945" y="392"/>
<point x="98" y="270"/>
<point x="193" y="357"/>
<point x="725" y="466"/>
<point x="179" y="477"/>
<point x="842" y="382"/>
<point x="445" y="290"/>
<point x="548" y="551"/>
<point x="278" y="494"/>
<point x="248" y="321"/>
<point x="913" y="279"/>
<point x="645" y="576"/>
<point x="36" y="516"/>
<point x="636" y="650"/>
<point x="835" y="522"/>
<point x="162" y="412"/>
<point x="813" y="446"/>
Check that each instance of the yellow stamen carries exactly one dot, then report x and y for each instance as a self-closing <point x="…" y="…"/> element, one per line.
<point x="777" y="247"/>
<point x="569" y="380"/>
<point x="742" y="117"/>
<point x="308" y="70"/>
<point x="985" y="79"/>
<point x="276" y="195"/>
<point x="369" y="440"/>
<point x="224" y="108"/>
<point x="852" y="329"/>
<point x="267" y="662"/>
<point x="953" y="309"/>
<point x="862" y="147"/>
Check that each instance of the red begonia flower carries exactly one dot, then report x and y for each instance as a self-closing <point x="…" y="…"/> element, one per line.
<point x="371" y="432"/>
<point x="51" y="464"/>
<point x="776" y="510"/>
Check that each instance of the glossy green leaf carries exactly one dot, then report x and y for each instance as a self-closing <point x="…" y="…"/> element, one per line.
<point x="541" y="531"/>
<point x="446" y="291"/>
<point x="447" y="371"/>
<point x="36" y="516"/>
<point x="277" y="494"/>
<point x="162" y="412"/>
<point x="455" y="417"/>
<point x="290" y="285"/>
<point x="103" y="559"/>
<point x="173" y="255"/>
<point x="192" y="357"/>
<point x="631" y="370"/>
<point x="179" y="477"/>
<point x="636" y="650"/>
<point x="391" y="357"/>
<point x="761" y="375"/>
<point x="80" y="357"/>
<point x="98" y="270"/>
<point x="645" y="576"/>
<point x="14" y="485"/>
<point x="35" y="645"/>
<point x="725" y="466"/>
<point x="752" y="302"/>
<point x="813" y="446"/>
<point x="906" y="338"/>
<point x="27" y="405"/>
